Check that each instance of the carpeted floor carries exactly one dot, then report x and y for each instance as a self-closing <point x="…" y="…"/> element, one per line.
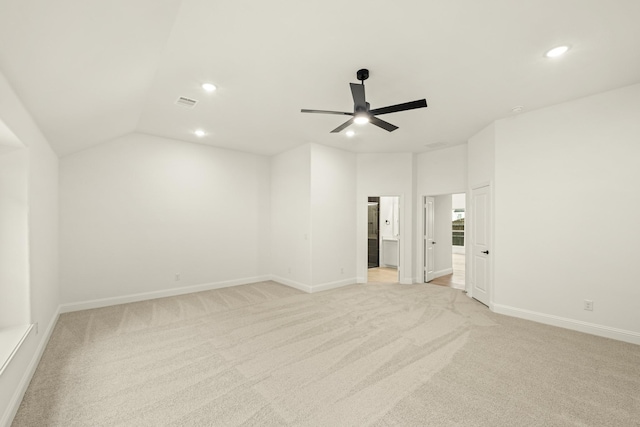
<point x="375" y="354"/>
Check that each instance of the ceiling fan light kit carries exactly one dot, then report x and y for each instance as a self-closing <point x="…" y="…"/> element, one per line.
<point x="360" y="119"/>
<point x="362" y="113"/>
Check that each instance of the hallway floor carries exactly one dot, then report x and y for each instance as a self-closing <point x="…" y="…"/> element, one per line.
<point x="456" y="279"/>
<point x="382" y="275"/>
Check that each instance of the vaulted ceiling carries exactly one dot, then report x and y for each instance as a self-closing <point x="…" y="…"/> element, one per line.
<point x="91" y="70"/>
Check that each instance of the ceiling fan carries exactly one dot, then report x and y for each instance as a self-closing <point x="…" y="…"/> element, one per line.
<point x="361" y="111"/>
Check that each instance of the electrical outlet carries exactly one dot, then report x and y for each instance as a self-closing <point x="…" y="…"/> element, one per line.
<point x="588" y="305"/>
<point x="36" y="328"/>
<point x="177" y="278"/>
<point x="342" y="271"/>
<point x="289" y="270"/>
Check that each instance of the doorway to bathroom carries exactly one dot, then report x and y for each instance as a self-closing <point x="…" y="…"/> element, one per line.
<point x="383" y="239"/>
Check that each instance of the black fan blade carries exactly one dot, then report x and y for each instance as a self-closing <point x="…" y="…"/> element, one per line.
<point x="342" y="126"/>
<point x="358" y="96"/>
<point x="382" y="124"/>
<point x="422" y="103"/>
<point x="326" y="112"/>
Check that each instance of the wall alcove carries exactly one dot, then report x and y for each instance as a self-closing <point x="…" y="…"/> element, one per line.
<point x="14" y="244"/>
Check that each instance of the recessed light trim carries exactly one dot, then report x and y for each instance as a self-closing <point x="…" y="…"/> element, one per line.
<point x="350" y="133"/>
<point x="209" y="87"/>
<point x="557" y="51"/>
<point x="199" y="133"/>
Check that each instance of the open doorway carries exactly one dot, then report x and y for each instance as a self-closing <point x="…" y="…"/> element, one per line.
<point x="444" y="240"/>
<point x="383" y="239"/>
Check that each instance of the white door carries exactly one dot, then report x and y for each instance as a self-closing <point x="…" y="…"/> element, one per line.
<point x="481" y="244"/>
<point x="427" y="240"/>
<point x="396" y="213"/>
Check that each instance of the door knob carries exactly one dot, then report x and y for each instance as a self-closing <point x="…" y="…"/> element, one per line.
<point x="485" y="252"/>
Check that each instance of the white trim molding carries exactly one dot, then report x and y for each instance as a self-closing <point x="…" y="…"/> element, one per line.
<point x="11" y="340"/>
<point x="333" y="285"/>
<point x="441" y="273"/>
<point x="292" y="283"/>
<point x="310" y="289"/>
<point x="16" y="399"/>
<point x="125" y="299"/>
<point x="575" y="325"/>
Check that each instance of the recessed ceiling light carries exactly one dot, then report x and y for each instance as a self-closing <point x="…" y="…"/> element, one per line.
<point x="209" y="87"/>
<point x="517" y="109"/>
<point x="557" y="51"/>
<point x="200" y="133"/>
<point x="350" y="133"/>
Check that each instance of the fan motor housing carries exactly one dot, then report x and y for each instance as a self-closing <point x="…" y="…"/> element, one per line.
<point x="365" y="109"/>
<point x="362" y="74"/>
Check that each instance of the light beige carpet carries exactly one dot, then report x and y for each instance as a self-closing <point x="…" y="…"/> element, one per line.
<point x="375" y="354"/>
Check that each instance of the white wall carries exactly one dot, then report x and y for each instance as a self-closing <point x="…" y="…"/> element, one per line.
<point x="458" y="201"/>
<point x="389" y="225"/>
<point x="333" y="217"/>
<point x="566" y="198"/>
<point x="43" y="247"/>
<point x="481" y="158"/>
<point x="386" y="175"/>
<point x="442" y="171"/>
<point x="438" y="172"/>
<point x="443" y="235"/>
<point x="14" y="238"/>
<point x="389" y="209"/>
<point x="291" y="217"/>
<point x="139" y="209"/>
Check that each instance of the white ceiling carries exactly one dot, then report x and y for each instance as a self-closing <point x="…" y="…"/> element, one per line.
<point x="92" y="70"/>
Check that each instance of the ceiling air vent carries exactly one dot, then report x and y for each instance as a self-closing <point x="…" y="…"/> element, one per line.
<point x="183" y="101"/>
<point x="434" y="145"/>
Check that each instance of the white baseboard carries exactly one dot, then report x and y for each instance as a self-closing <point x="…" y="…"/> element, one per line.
<point x="441" y="273"/>
<point x="316" y="288"/>
<point x="105" y="302"/>
<point x="11" y="340"/>
<point x="292" y="283"/>
<point x="575" y="325"/>
<point x="14" y="404"/>
<point x="333" y="285"/>
<point x="406" y="281"/>
<point x="361" y="280"/>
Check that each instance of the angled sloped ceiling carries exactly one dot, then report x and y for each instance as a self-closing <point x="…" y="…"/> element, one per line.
<point x="92" y="70"/>
<point x="83" y="68"/>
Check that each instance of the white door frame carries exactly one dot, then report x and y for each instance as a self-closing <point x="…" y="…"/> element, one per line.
<point x="428" y="235"/>
<point x="470" y="239"/>
<point x="400" y="210"/>
<point x="419" y="233"/>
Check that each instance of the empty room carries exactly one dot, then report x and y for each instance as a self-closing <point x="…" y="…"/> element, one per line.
<point x="319" y="213"/>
